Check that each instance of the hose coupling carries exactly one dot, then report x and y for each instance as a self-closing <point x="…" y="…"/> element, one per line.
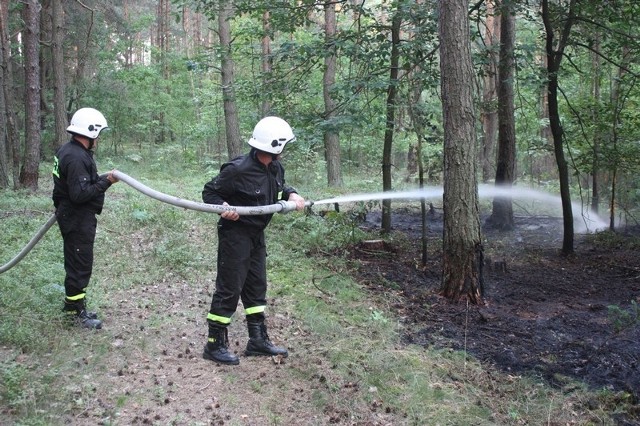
<point x="287" y="206"/>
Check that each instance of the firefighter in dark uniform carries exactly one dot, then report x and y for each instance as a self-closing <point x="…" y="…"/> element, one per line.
<point x="78" y="196"/>
<point x="254" y="179"/>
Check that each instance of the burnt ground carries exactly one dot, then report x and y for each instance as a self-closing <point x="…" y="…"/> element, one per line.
<point x="546" y="315"/>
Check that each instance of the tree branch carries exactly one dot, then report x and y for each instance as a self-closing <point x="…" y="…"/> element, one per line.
<point x="606" y="58"/>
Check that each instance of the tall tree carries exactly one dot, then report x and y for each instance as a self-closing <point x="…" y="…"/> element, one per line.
<point x="232" y="126"/>
<point x="266" y="63"/>
<point x="4" y="159"/>
<point x="489" y="111"/>
<point x="392" y="91"/>
<point x="462" y="242"/>
<point x="11" y="135"/>
<point x="596" y="64"/>
<point x="57" y="39"/>
<point x="31" y="157"/>
<point x="331" y="136"/>
<point x="554" y="49"/>
<point x="617" y="102"/>
<point x="502" y="214"/>
<point x="5" y="148"/>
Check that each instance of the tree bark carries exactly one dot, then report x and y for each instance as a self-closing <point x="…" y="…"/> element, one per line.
<point x="60" y="113"/>
<point x="613" y="137"/>
<point x="11" y="134"/>
<point x="331" y="137"/>
<point x="502" y="214"/>
<point x="266" y="59"/>
<point x="392" y="90"/>
<point x="597" y="134"/>
<point x="232" y="127"/>
<point x="554" y="57"/>
<point x="4" y="159"/>
<point x="29" y="170"/>
<point x="462" y="244"/>
<point x="489" y="113"/>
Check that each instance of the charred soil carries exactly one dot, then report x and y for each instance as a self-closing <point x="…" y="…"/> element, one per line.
<point x="559" y="318"/>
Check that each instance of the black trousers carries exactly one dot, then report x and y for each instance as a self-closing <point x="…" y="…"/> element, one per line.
<point x="242" y="275"/>
<point x="78" y="230"/>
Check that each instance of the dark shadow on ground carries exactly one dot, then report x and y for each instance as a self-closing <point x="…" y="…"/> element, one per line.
<point x="545" y="315"/>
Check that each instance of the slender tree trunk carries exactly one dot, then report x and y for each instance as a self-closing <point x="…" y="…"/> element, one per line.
<point x="11" y="133"/>
<point x="266" y="59"/>
<point x="502" y="214"/>
<point x="462" y="242"/>
<point x="331" y="137"/>
<point x="543" y="165"/>
<point x="29" y="170"/>
<point x="61" y="120"/>
<point x="81" y="56"/>
<point x="555" y="51"/>
<point x="418" y="121"/>
<point x="232" y="126"/>
<point x="46" y="61"/>
<point x="617" y="108"/>
<point x="392" y="91"/>
<point x="4" y="159"/>
<point x="489" y="113"/>
<point x="595" y="168"/>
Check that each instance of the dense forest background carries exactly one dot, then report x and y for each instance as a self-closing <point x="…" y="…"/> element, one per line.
<point x="383" y="96"/>
<point x="553" y="91"/>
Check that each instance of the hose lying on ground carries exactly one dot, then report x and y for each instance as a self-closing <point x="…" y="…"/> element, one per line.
<point x="29" y="246"/>
<point x="279" y="207"/>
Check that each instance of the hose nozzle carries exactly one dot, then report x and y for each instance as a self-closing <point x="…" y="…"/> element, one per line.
<point x="289" y="206"/>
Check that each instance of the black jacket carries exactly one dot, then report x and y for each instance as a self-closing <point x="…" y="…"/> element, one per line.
<point x="75" y="178"/>
<point x="245" y="181"/>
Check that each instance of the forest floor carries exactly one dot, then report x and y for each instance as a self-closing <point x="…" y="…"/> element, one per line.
<point x="570" y="321"/>
<point x="552" y="316"/>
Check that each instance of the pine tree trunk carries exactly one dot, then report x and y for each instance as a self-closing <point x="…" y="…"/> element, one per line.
<point x="232" y="127"/>
<point x="390" y="124"/>
<point x="61" y="119"/>
<point x="489" y="113"/>
<point x="29" y="170"/>
<point x="555" y="51"/>
<point x="462" y="243"/>
<point x="10" y="118"/>
<point x="331" y="137"/>
<point x="502" y="214"/>
<point x="266" y="59"/>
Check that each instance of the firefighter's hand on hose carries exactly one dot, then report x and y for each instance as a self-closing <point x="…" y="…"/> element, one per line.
<point x="111" y="177"/>
<point x="230" y="214"/>
<point x="298" y="200"/>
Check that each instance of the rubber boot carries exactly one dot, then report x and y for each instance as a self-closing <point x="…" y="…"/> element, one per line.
<point x="73" y="306"/>
<point x="217" y="347"/>
<point x="81" y="317"/>
<point x="259" y="343"/>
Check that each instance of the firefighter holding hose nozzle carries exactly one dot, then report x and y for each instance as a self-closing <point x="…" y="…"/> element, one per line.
<point x="253" y="179"/>
<point x="78" y="196"/>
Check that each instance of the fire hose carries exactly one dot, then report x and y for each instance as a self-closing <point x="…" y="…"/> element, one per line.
<point x="280" y="207"/>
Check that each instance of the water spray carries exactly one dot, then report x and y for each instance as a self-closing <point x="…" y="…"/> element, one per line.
<point x="590" y="221"/>
<point x="485" y="191"/>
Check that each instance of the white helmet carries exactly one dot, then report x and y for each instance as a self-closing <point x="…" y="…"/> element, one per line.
<point x="271" y="134"/>
<point x="87" y="122"/>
